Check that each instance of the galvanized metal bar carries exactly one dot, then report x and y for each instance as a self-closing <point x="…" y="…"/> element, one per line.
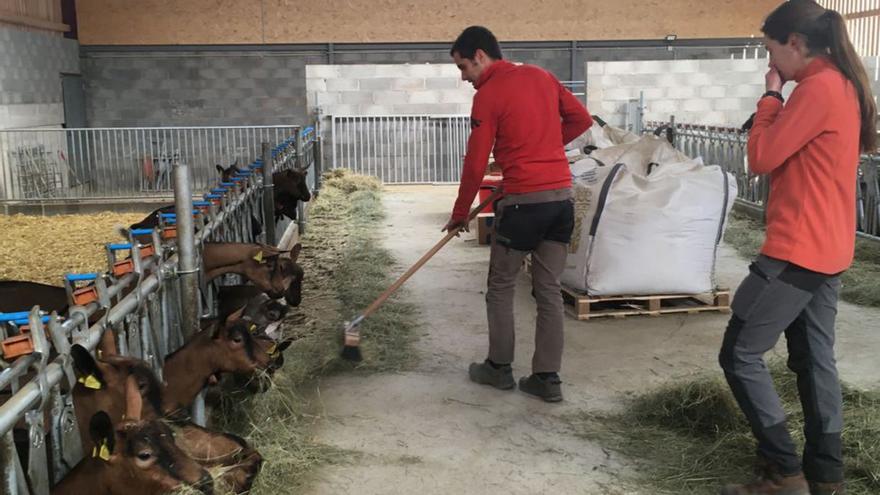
<point x="268" y="195"/>
<point x="186" y="249"/>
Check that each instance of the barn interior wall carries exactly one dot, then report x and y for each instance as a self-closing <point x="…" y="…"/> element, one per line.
<point x="31" y="64"/>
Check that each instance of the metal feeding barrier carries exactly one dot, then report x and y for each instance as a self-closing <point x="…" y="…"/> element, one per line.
<point x="149" y="298"/>
<point x="726" y="146"/>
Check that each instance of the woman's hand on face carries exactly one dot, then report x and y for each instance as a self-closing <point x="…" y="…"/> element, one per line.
<point x="773" y="80"/>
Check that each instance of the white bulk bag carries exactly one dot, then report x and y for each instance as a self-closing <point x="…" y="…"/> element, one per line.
<point x="648" y="220"/>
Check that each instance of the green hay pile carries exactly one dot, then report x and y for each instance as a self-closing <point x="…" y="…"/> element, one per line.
<point x="345" y="269"/>
<point x="861" y="283"/>
<point x="689" y="437"/>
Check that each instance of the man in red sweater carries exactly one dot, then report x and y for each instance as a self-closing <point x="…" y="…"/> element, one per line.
<point x="527" y="116"/>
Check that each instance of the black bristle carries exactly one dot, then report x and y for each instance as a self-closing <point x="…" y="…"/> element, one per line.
<point x="350" y="353"/>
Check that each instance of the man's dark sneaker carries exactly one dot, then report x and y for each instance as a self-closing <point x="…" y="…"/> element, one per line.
<point x="549" y="389"/>
<point x="817" y="488"/>
<point x="770" y="482"/>
<point x="498" y="376"/>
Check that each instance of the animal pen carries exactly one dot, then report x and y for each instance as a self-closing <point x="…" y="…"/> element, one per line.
<point x="153" y="297"/>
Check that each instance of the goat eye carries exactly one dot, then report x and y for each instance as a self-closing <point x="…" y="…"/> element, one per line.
<point x="145" y="456"/>
<point x="237" y="339"/>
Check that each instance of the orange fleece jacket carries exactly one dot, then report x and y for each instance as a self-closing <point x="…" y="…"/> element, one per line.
<point x="810" y="148"/>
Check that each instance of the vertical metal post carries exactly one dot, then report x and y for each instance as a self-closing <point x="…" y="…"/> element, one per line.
<point x="268" y="196"/>
<point x="199" y="416"/>
<point x="318" y="150"/>
<point x="187" y="268"/>
<point x="10" y="473"/>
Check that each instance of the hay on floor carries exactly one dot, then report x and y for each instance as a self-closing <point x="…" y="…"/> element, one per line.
<point x="42" y="249"/>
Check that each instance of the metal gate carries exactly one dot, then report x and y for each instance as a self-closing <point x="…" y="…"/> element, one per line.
<point x="401" y="149"/>
<point x="43" y="164"/>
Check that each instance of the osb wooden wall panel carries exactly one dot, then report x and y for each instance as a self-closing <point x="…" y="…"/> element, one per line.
<point x="32" y="15"/>
<point x="169" y="22"/>
<point x="144" y="22"/>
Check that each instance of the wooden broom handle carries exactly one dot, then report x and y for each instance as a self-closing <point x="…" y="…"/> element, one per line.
<point x="424" y="259"/>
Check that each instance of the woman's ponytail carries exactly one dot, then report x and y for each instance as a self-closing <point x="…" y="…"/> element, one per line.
<point x="847" y="60"/>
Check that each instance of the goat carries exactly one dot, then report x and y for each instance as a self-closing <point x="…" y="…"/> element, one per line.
<point x="288" y="188"/>
<point x="101" y="383"/>
<point x="137" y="457"/>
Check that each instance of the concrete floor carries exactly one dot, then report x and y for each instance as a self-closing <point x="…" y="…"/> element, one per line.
<point x="431" y="431"/>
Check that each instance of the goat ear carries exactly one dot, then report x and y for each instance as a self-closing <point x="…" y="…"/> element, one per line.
<point x="294" y="252"/>
<point x="103" y="436"/>
<point x="86" y="369"/>
<point x="236" y="315"/>
<point x="133" y="401"/>
<point x="283" y="345"/>
<point x="220" y="168"/>
<point x="259" y="257"/>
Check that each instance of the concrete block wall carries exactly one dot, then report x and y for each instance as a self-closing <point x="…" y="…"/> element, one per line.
<point x="708" y="91"/>
<point x="195" y="88"/>
<point x="716" y="92"/>
<point x="394" y="89"/>
<point x="141" y="87"/>
<point x="31" y="64"/>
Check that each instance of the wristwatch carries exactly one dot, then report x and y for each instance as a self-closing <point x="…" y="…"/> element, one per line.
<point x="775" y="94"/>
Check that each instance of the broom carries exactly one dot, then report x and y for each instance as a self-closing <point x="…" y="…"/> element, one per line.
<point x="351" y="333"/>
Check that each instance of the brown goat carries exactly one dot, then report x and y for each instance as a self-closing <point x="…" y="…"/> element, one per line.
<point x="223" y="348"/>
<point x="137" y="457"/>
<point x="102" y="383"/>
<point x="264" y="266"/>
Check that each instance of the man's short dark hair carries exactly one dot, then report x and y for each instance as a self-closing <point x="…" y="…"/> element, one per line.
<point x="473" y="38"/>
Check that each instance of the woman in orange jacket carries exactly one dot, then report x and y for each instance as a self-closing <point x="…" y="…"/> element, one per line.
<point x="809" y="146"/>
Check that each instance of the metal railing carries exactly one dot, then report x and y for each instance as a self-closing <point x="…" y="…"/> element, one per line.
<point x="401" y="149"/>
<point x="147" y="309"/>
<point x="726" y="146"/>
<point x="41" y="164"/>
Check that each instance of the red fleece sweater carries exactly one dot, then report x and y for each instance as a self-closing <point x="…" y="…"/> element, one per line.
<point x="528" y="116"/>
<point x="810" y="148"/>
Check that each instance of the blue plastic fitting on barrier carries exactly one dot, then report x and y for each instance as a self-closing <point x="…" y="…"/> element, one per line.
<point x="119" y="247"/>
<point x="170" y="221"/>
<point x="227" y="184"/>
<point x="25" y="321"/>
<point x="213" y="196"/>
<point x="218" y="190"/>
<point x="7" y="317"/>
<point x="141" y="231"/>
<point x="168" y="215"/>
<point x="201" y="203"/>
<point x="244" y="173"/>
<point x="79" y="277"/>
<point x="237" y="179"/>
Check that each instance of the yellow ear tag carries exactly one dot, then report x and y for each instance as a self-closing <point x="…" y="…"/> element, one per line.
<point x="259" y="257"/>
<point x="273" y="351"/>
<point x="253" y="328"/>
<point x="105" y="451"/>
<point x="100" y="354"/>
<point x="90" y="382"/>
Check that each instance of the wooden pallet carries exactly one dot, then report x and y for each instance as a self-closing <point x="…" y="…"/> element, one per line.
<point x="585" y="307"/>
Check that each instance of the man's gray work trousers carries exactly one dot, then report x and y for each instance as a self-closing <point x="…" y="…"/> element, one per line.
<point x="539" y="223"/>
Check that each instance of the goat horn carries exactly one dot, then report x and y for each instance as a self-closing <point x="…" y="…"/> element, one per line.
<point x="133" y="400"/>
